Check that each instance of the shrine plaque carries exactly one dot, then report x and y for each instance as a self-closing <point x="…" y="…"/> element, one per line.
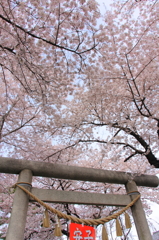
<point x="81" y="232"/>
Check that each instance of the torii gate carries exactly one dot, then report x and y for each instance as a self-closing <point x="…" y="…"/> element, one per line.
<point x="26" y="169"/>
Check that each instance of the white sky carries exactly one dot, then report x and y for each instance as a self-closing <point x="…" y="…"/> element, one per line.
<point x="104" y="5"/>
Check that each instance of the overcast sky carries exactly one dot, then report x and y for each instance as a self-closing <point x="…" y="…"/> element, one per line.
<point x="104" y="5"/>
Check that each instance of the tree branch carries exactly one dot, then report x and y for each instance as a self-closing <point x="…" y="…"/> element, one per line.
<point x="45" y="40"/>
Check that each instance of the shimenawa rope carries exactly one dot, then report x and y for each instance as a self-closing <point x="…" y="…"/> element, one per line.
<point x="75" y="219"/>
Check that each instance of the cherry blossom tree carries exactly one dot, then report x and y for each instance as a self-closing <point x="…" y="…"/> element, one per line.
<point x="78" y="92"/>
<point x="43" y="46"/>
<point x="44" y="43"/>
<point x="119" y="94"/>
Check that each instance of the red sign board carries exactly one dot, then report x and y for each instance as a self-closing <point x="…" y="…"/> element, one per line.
<point x="81" y="232"/>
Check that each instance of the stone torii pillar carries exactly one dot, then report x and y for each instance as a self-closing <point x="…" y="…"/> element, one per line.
<point x="19" y="210"/>
<point x="138" y="213"/>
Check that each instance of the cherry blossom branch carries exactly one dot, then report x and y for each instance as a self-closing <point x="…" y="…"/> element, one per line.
<point x="8" y="49"/>
<point x="142" y="100"/>
<point x="140" y="38"/>
<point x="45" y="40"/>
<point x="147" y="153"/>
<point x="61" y="150"/>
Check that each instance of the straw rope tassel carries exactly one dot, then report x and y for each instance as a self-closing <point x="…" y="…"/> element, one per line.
<point x="104" y="233"/>
<point x="127" y="221"/>
<point x="58" y="232"/>
<point x="118" y="228"/>
<point x="46" y="220"/>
